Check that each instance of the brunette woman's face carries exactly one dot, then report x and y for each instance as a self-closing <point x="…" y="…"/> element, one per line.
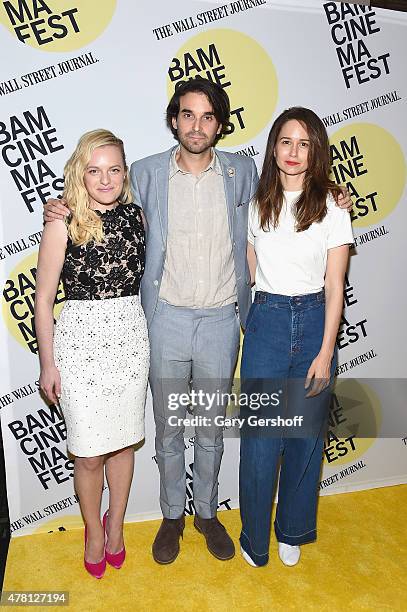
<point x="291" y="149"/>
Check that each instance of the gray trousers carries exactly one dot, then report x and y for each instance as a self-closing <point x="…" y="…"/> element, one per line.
<point x="190" y="349"/>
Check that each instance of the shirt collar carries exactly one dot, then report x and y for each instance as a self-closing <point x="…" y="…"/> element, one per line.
<point x="214" y="164"/>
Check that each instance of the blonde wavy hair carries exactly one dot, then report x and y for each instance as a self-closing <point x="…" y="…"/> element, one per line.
<point x="84" y="224"/>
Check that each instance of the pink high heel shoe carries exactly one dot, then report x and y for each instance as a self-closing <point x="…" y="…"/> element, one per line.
<point x="96" y="570"/>
<point x="116" y="560"/>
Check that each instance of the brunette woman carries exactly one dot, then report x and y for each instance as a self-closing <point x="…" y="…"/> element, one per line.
<point x="298" y="252"/>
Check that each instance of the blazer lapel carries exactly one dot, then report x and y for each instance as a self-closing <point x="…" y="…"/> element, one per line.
<point x="162" y="178"/>
<point x="229" y="180"/>
<point x="161" y="183"/>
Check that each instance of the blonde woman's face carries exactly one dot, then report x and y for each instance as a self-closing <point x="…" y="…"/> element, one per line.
<point x="104" y="177"/>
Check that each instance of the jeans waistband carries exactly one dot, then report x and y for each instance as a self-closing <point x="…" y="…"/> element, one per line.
<point x="308" y="299"/>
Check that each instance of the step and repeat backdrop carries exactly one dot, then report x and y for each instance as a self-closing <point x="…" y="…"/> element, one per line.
<point x="68" y="66"/>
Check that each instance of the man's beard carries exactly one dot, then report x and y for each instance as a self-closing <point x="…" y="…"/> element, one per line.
<point x="199" y="146"/>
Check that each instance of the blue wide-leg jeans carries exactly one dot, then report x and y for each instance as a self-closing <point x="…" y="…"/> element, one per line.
<point x="283" y="336"/>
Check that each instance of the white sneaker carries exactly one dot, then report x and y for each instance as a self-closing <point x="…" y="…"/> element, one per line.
<point x="247" y="558"/>
<point x="289" y="555"/>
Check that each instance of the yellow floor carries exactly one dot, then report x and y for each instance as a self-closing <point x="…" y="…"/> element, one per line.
<point x="358" y="563"/>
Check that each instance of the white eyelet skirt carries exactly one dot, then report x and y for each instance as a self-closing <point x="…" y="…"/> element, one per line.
<point x="102" y="351"/>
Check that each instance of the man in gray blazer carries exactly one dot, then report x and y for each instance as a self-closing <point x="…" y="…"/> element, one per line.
<point x="196" y="294"/>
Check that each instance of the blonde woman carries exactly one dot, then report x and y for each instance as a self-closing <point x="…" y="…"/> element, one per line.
<point x="95" y="363"/>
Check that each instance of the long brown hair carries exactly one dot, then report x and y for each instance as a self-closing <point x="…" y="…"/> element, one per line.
<point x="311" y="204"/>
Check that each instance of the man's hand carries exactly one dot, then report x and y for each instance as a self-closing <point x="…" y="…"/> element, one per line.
<point x="55" y="209"/>
<point x="344" y="200"/>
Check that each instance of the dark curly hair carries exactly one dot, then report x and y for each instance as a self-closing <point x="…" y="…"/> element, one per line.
<point x="216" y="95"/>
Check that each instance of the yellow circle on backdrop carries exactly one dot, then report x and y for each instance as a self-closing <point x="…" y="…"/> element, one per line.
<point x="359" y="412"/>
<point x="18" y="302"/>
<point x="228" y="56"/>
<point x="56" y="25"/>
<point x="364" y="146"/>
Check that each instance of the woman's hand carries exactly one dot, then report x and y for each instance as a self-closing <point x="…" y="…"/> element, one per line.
<point x="318" y="374"/>
<point x="50" y="383"/>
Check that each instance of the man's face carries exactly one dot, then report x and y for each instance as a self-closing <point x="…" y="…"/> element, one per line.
<point x="196" y="125"/>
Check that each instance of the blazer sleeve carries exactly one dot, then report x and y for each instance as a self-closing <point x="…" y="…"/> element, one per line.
<point x="134" y="186"/>
<point x="254" y="179"/>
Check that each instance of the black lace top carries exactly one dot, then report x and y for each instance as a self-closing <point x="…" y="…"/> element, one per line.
<point x="112" y="268"/>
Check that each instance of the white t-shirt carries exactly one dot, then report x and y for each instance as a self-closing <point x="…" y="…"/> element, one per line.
<point x="294" y="263"/>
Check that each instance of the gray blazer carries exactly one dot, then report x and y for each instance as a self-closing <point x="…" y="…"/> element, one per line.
<point x="150" y="179"/>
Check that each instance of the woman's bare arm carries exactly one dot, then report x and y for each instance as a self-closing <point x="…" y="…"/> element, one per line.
<point x="50" y="262"/>
<point x="252" y="261"/>
<point x="337" y="262"/>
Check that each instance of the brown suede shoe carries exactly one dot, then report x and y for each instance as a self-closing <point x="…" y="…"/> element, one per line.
<point x="216" y="536"/>
<point x="166" y="544"/>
